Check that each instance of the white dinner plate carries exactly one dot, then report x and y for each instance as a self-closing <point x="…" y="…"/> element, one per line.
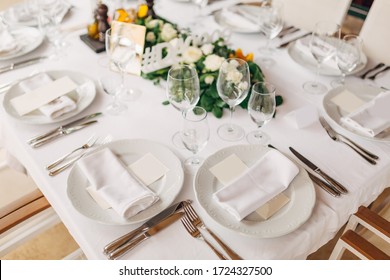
<point x="27" y="38"/>
<point x="297" y="211"/>
<point x="129" y="151"/>
<point x="308" y="62"/>
<point x="250" y="11"/>
<point x="363" y="92"/>
<point x="83" y="96"/>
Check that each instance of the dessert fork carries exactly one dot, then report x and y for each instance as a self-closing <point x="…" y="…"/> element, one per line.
<point x="194" y="232"/>
<point x="196" y="221"/>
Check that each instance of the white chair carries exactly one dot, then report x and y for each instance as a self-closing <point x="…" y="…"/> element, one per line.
<point x="375" y="32"/>
<point x="305" y="14"/>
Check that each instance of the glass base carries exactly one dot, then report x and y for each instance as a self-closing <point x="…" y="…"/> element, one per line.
<point x="131" y="94"/>
<point x="315" y="88"/>
<point x="177" y="141"/>
<point x="116" y="109"/>
<point x="337" y="83"/>
<point x="231" y="132"/>
<point x="191" y="165"/>
<point x="258" y="137"/>
<point x="265" y="62"/>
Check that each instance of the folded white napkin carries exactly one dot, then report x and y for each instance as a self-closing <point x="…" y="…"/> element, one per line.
<point x="55" y="108"/>
<point x="8" y="44"/>
<point x="112" y="181"/>
<point x="264" y="180"/>
<point x="237" y="20"/>
<point x="371" y="118"/>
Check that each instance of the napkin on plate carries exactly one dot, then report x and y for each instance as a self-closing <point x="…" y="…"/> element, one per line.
<point x="8" y="44"/>
<point x="372" y="118"/>
<point x="233" y="18"/>
<point x="268" y="177"/>
<point x="112" y="181"/>
<point x="55" y="108"/>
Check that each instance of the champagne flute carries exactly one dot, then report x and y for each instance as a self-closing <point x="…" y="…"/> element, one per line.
<point x="195" y="134"/>
<point x="183" y="91"/>
<point x="348" y="57"/>
<point x="233" y="86"/>
<point x="323" y="46"/>
<point x="261" y="108"/>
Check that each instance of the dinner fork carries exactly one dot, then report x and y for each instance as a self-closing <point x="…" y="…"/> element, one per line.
<point x="90" y="143"/>
<point x="194" y="232"/>
<point x="377" y="73"/>
<point x="54" y="172"/>
<point x="370" y="157"/>
<point x="196" y="221"/>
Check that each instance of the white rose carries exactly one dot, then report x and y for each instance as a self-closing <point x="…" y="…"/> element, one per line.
<point x="168" y="32"/>
<point x="153" y="23"/>
<point x="209" y="80"/>
<point x="207" y="49"/>
<point x="191" y="55"/>
<point x="213" y="62"/>
<point x="243" y="85"/>
<point x="150" y="37"/>
<point x="234" y="76"/>
<point x="174" y="41"/>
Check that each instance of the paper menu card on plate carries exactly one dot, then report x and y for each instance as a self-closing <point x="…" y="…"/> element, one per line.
<point x="347" y="101"/>
<point x="255" y="186"/>
<point x="28" y="102"/>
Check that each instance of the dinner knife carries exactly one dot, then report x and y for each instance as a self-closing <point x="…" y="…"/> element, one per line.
<point x="21" y="64"/>
<point x="39" y="137"/>
<point x="62" y="132"/>
<point x="294" y="39"/>
<point x="109" y="248"/>
<point x="314" y="167"/>
<point x="145" y="235"/>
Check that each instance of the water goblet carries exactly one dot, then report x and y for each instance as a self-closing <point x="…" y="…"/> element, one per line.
<point x="111" y="85"/>
<point x="195" y="134"/>
<point x="348" y="57"/>
<point x="183" y="91"/>
<point x="323" y="46"/>
<point x="233" y="86"/>
<point x="261" y="108"/>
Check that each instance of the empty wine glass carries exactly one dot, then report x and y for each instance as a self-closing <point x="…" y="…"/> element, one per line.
<point x="261" y="108"/>
<point x="270" y="24"/>
<point x="195" y="134"/>
<point x="233" y="86"/>
<point x="111" y="85"/>
<point x="183" y="91"/>
<point x="121" y="50"/>
<point x="348" y="57"/>
<point x="323" y="46"/>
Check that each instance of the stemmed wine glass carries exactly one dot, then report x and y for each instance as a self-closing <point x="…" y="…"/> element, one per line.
<point x="270" y="24"/>
<point x="323" y="46"/>
<point x="348" y="57"/>
<point x="112" y="86"/>
<point x="261" y="108"/>
<point x="233" y="86"/>
<point x="183" y="91"/>
<point x="195" y="134"/>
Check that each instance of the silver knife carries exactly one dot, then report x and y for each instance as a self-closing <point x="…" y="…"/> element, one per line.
<point x="109" y="248"/>
<point x="145" y="235"/>
<point x="21" y="64"/>
<point x="314" y="167"/>
<point x="61" y="132"/>
<point x="39" y="137"/>
<point x="292" y="40"/>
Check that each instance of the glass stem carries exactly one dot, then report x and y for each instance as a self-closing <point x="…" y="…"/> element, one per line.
<point x="231" y="118"/>
<point x="343" y="78"/>
<point x="317" y="72"/>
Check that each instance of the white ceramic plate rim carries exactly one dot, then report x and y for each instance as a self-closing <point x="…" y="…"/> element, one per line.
<point x="301" y="193"/>
<point x="310" y="63"/>
<point x="29" y="32"/>
<point x="364" y="92"/>
<point x="167" y="188"/>
<point x="83" y="101"/>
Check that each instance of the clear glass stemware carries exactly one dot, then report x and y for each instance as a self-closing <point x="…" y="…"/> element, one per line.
<point x="261" y="108"/>
<point x="323" y="46"/>
<point x="233" y="85"/>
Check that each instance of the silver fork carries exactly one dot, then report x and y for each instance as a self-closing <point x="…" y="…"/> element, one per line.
<point x="54" y="172"/>
<point x="370" y="157"/>
<point x="196" y="221"/>
<point x="90" y="143"/>
<point x="194" y="232"/>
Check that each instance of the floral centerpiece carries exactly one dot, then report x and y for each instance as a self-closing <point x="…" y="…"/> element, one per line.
<point x="206" y="58"/>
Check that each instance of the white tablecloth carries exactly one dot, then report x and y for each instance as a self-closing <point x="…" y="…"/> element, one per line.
<point x="148" y="119"/>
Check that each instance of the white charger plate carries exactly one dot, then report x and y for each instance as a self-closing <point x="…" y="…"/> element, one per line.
<point x="363" y="92"/>
<point x="83" y="97"/>
<point x="309" y="62"/>
<point x="129" y="151"/>
<point x="296" y="212"/>
<point x="29" y="39"/>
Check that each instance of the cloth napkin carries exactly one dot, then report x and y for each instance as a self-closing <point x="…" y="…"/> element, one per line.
<point x="237" y="20"/>
<point x="55" y="108"/>
<point x="264" y="180"/>
<point x="371" y="118"/>
<point x="111" y="180"/>
<point x="8" y="44"/>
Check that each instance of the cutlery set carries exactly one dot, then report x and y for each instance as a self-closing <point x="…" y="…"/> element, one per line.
<point x="372" y="73"/>
<point x="181" y="210"/>
<point x="22" y="63"/>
